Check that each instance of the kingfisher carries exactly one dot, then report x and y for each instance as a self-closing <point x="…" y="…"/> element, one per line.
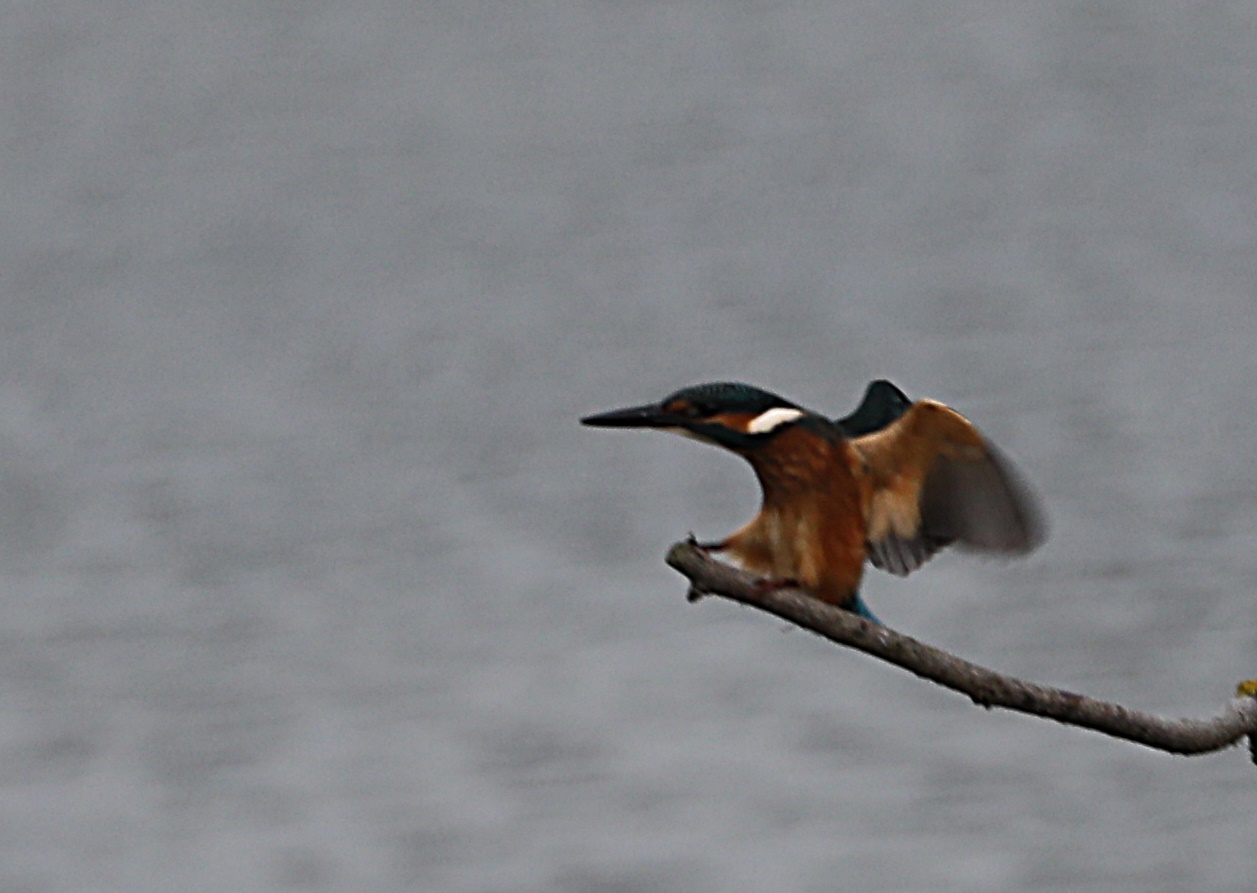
<point x="891" y="484"/>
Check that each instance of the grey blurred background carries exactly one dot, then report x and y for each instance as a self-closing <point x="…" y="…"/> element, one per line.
<point x="311" y="581"/>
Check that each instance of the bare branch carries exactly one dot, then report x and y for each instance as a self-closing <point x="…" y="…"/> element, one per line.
<point x="985" y="687"/>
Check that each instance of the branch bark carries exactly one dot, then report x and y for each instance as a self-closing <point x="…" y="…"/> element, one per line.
<point x="986" y="688"/>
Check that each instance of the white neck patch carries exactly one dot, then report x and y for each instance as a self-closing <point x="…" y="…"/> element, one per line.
<point x="772" y="419"/>
<point x="686" y="432"/>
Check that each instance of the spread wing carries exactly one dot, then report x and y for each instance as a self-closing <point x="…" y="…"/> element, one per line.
<point x="883" y="403"/>
<point x="937" y="481"/>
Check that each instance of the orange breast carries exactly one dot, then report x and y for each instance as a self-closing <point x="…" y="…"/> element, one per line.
<point x="811" y="526"/>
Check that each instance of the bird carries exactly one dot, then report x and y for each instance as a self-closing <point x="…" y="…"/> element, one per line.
<point x="890" y="484"/>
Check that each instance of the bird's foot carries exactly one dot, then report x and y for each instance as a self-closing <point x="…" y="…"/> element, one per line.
<point x="765" y="585"/>
<point x="719" y="546"/>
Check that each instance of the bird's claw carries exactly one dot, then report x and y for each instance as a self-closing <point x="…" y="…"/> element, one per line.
<point x="764" y="585"/>
<point x="718" y="546"/>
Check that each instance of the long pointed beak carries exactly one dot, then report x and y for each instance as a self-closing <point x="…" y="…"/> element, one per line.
<point x="649" y="416"/>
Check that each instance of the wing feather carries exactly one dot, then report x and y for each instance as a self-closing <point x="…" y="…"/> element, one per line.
<point x="934" y="480"/>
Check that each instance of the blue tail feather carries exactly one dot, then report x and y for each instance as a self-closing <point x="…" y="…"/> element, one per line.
<point x="859" y="608"/>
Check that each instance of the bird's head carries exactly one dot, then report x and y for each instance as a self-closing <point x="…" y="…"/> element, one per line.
<point x="732" y="415"/>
